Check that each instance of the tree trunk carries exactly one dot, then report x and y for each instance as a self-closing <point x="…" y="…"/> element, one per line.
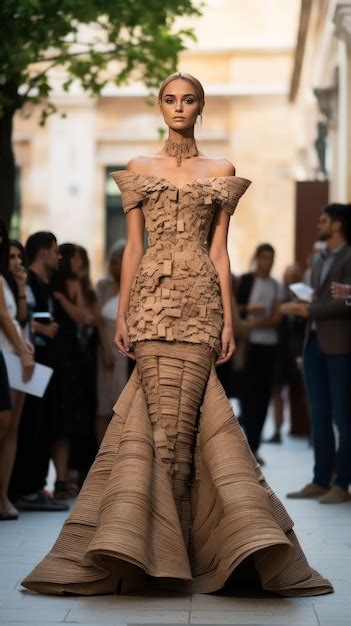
<point x="7" y="169"/>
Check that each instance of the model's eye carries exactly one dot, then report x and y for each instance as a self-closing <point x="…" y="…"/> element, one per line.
<point x="189" y="100"/>
<point x="169" y="100"/>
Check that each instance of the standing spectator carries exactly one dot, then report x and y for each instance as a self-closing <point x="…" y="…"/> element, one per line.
<point x="12" y="341"/>
<point x="327" y="360"/>
<point x="84" y="446"/>
<point x="34" y="439"/>
<point x="258" y="297"/>
<point x="69" y="311"/>
<point x="288" y="386"/>
<point x="112" y="365"/>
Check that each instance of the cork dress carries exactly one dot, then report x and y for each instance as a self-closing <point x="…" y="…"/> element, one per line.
<point x="175" y="498"/>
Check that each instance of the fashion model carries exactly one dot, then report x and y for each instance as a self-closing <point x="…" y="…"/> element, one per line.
<point x="175" y="498"/>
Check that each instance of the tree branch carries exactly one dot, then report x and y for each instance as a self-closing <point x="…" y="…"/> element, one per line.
<point x="60" y="57"/>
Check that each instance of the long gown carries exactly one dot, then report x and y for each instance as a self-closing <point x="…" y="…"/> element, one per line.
<point x="175" y="499"/>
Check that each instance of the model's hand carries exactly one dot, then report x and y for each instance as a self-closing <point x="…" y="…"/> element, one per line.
<point x="228" y="345"/>
<point x="122" y="339"/>
<point x="340" y="291"/>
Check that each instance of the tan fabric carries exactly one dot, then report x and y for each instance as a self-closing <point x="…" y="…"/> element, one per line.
<point x="175" y="295"/>
<point x="175" y="495"/>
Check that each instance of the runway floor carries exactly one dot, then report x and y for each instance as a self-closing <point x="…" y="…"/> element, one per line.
<point x="324" y="532"/>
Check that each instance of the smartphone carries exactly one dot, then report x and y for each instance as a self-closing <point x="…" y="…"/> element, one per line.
<point x="43" y="317"/>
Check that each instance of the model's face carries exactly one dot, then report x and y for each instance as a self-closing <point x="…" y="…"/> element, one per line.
<point x="15" y="260"/>
<point x="52" y="257"/>
<point x="325" y="227"/>
<point x="180" y="105"/>
<point x="265" y="262"/>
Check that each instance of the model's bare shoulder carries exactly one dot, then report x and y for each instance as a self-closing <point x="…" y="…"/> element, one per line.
<point x="220" y="167"/>
<point x="224" y="167"/>
<point x="139" y="164"/>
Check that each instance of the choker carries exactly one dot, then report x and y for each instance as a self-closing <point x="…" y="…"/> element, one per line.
<point x="184" y="150"/>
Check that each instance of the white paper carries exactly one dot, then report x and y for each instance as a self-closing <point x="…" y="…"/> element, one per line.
<point x="37" y="385"/>
<point x="302" y="291"/>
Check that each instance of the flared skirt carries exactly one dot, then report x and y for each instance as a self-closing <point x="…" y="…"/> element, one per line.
<point x="175" y="497"/>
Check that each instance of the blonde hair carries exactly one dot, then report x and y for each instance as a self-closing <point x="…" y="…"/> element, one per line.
<point x="199" y="90"/>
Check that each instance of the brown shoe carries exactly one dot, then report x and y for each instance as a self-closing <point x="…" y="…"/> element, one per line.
<point x="335" y="495"/>
<point x="309" y="491"/>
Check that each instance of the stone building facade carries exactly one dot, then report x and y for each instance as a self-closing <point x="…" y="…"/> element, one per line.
<point x="244" y="55"/>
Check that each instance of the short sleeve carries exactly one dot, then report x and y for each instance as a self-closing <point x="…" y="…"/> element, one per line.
<point x="131" y="188"/>
<point x="229" y="191"/>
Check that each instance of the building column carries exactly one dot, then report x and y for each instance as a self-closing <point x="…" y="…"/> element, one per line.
<point x="342" y="21"/>
<point x="71" y="172"/>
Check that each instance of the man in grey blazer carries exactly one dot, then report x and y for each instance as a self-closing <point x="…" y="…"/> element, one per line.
<point x="327" y="360"/>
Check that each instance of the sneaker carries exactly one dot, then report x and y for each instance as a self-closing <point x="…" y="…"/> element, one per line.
<point x="335" y="495"/>
<point x="40" y="501"/>
<point x="309" y="491"/>
<point x="276" y="438"/>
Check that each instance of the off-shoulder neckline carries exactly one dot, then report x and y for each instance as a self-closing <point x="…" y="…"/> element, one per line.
<point x="190" y="182"/>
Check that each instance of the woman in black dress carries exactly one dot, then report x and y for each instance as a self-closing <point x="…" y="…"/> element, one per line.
<point x="69" y="310"/>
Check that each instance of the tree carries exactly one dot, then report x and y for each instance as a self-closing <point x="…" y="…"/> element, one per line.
<point x="39" y="35"/>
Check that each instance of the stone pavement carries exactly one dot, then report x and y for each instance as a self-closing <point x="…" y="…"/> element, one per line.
<point x="324" y="532"/>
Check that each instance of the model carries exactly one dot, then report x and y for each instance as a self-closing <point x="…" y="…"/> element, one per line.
<point x="175" y="499"/>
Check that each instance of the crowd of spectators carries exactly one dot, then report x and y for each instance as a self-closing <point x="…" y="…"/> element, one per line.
<point x="292" y="354"/>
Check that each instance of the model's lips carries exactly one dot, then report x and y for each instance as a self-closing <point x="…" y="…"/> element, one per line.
<point x="179" y="117"/>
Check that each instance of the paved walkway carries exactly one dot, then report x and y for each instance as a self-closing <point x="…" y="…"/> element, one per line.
<point x="324" y="532"/>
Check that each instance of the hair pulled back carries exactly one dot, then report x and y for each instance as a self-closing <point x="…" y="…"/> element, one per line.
<point x="199" y="90"/>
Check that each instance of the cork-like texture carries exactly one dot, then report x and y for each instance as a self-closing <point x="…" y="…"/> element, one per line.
<point x="175" y="295"/>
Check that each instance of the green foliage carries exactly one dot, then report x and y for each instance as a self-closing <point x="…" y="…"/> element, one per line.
<point x="84" y="37"/>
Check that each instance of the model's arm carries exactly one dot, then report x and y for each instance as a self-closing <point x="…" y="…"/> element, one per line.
<point x="132" y="256"/>
<point x="218" y="254"/>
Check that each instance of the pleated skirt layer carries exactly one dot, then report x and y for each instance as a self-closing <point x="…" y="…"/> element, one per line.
<point x="175" y="498"/>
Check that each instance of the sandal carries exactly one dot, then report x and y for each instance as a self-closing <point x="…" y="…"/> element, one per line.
<point x="8" y="517"/>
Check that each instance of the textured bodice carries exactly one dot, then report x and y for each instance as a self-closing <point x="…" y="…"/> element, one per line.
<point x="175" y="294"/>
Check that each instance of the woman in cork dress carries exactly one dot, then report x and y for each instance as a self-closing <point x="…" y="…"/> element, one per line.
<point x="175" y="498"/>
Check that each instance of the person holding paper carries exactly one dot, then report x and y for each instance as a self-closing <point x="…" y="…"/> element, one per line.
<point x="12" y="341"/>
<point x="35" y="432"/>
<point x="327" y="360"/>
